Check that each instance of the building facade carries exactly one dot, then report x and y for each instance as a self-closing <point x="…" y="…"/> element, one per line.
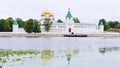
<point x="68" y="26"/>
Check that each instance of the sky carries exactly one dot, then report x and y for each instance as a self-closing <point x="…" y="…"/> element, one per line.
<point x="89" y="11"/>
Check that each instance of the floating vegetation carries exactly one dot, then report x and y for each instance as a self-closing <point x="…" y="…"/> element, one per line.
<point x="47" y="55"/>
<point x="16" y="55"/>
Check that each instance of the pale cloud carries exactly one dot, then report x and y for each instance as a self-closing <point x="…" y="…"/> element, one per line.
<point x="86" y="10"/>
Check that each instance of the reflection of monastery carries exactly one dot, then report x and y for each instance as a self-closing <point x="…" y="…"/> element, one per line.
<point x="68" y="25"/>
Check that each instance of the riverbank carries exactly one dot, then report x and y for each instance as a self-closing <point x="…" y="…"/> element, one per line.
<point x="9" y="34"/>
<point x="30" y="35"/>
<point x="103" y="35"/>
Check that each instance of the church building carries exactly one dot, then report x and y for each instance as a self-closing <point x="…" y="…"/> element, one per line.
<point x="68" y="26"/>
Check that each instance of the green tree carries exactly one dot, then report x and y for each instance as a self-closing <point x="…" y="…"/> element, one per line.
<point x="20" y="22"/>
<point x="36" y="26"/>
<point x="59" y="21"/>
<point x="7" y="27"/>
<point x="76" y="20"/>
<point x="117" y="26"/>
<point x="47" y="24"/>
<point x="108" y="27"/>
<point x="10" y="20"/>
<point x="29" y="25"/>
<point x="1" y="25"/>
<point x="112" y="24"/>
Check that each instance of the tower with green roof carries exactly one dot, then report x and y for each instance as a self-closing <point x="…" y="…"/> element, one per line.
<point x="15" y="26"/>
<point x="69" y="15"/>
<point x="101" y="26"/>
<point x="69" y="22"/>
<point x="15" y="22"/>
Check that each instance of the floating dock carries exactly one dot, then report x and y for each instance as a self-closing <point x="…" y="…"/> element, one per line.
<point x="81" y="35"/>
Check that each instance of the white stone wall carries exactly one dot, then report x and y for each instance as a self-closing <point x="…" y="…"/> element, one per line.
<point x="21" y="30"/>
<point x="76" y="29"/>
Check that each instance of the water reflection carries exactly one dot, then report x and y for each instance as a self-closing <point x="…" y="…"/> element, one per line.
<point x="108" y="49"/>
<point x="69" y="55"/>
<point x="47" y="55"/>
<point x="63" y="58"/>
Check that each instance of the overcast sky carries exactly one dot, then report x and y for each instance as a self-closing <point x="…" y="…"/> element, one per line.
<point x="86" y="10"/>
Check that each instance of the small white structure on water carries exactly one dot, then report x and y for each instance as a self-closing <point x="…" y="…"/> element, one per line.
<point x="68" y="26"/>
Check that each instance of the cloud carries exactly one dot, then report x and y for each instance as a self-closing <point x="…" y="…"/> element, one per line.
<point x="85" y="10"/>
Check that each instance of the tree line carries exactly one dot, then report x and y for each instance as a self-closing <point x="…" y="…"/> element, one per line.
<point x="33" y="25"/>
<point x="30" y="25"/>
<point x="110" y="25"/>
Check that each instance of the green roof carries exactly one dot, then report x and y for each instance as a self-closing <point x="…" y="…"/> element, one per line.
<point x="15" y="22"/>
<point x="101" y="23"/>
<point x="69" y="15"/>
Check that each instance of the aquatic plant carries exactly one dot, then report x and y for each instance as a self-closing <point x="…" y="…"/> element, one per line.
<point x="17" y="55"/>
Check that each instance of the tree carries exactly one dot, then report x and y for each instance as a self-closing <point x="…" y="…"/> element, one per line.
<point x="10" y="21"/>
<point x="7" y="27"/>
<point x="20" y="22"/>
<point x="29" y="25"/>
<point x="32" y="26"/>
<point x="1" y="25"/>
<point x="76" y="20"/>
<point x="108" y="27"/>
<point x="112" y="24"/>
<point x="59" y="21"/>
<point x="117" y="26"/>
<point x="47" y="24"/>
<point x="36" y="26"/>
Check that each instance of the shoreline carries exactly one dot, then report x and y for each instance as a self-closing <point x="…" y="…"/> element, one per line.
<point x="9" y="34"/>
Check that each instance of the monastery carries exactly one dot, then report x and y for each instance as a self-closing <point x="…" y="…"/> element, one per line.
<point x="67" y="27"/>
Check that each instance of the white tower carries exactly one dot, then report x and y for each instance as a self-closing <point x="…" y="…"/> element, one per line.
<point x="101" y="27"/>
<point x="15" y="26"/>
<point x="69" y="22"/>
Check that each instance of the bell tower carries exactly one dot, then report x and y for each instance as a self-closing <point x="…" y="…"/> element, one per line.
<point x="15" y="26"/>
<point x="69" y="22"/>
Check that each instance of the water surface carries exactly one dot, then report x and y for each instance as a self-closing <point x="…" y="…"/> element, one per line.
<point x="92" y="52"/>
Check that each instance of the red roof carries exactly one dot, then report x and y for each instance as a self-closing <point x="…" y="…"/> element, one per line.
<point x="117" y="29"/>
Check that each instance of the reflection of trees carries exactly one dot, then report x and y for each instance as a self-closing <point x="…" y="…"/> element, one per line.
<point x="47" y="55"/>
<point x="108" y="49"/>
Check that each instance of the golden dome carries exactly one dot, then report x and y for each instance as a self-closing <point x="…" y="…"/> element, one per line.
<point x="51" y="14"/>
<point x="47" y="13"/>
<point x="42" y="14"/>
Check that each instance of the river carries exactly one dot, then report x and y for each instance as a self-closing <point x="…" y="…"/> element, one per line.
<point x="89" y="55"/>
